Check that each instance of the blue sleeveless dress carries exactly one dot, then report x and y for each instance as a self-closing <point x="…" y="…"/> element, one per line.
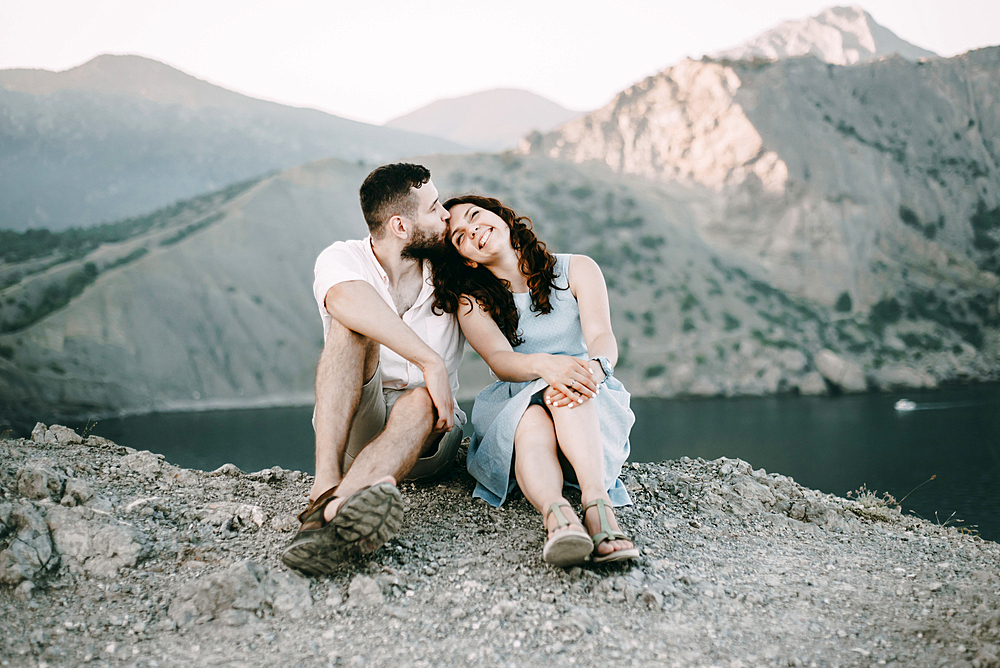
<point x="500" y="406"/>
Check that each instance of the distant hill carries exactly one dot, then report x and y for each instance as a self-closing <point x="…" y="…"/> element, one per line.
<point x="121" y="135"/>
<point x="838" y="35"/>
<point x="492" y="120"/>
<point x="209" y="303"/>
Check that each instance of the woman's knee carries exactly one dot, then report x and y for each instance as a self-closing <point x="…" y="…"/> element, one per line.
<point x="535" y="430"/>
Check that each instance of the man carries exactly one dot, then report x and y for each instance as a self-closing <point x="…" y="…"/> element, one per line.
<point x="387" y="375"/>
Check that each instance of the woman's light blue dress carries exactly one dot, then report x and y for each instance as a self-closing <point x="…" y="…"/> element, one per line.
<point x="500" y="406"/>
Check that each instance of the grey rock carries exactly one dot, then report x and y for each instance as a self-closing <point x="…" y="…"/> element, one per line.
<point x="270" y="475"/>
<point x="900" y="377"/>
<point x="184" y="477"/>
<point x="578" y="621"/>
<point x="842" y="373"/>
<point x="703" y="387"/>
<point x="79" y="490"/>
<point x="227" y="469"/>
<point x="363" y="592"/>
<point x="144" y="463"/>
<point x="94" y="542"/>
<point x="38" y="432"/>
<point x="812" y="384"/>
<point x="26" y="545"/>
<point x="233" y="516"/>
<point x="60" y="435"/>
<point x="36" y="481"/>
<point x="284" y="523"/>
<point x="793" y="360"/>
<point x="288" y="593"/>
<point x="236" y="588"/>
<point x="23" y="591"/>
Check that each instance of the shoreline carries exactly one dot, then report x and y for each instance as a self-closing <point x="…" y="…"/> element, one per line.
<point x="304" y="399"/>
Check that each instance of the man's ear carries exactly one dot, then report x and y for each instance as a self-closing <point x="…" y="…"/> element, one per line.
<point x="397" y="225"/>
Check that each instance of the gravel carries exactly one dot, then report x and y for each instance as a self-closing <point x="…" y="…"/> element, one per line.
<point x="110" y="556"/>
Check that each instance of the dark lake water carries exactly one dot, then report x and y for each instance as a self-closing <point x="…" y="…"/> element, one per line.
<point x="831" y="444"/>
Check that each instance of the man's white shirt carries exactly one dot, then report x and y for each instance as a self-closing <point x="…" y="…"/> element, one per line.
<point x="355" y="261"/>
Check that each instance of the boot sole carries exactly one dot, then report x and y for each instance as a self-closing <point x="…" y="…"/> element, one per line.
<point x="363" y="523"/>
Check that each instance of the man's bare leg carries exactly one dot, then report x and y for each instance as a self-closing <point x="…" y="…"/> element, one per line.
<point x="347" y="361"/>
<point x="393" y="452"/>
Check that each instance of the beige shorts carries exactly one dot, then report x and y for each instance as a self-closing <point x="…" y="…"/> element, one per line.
<point x="373" y="412"/>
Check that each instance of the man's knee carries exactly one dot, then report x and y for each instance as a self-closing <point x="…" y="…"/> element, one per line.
<point x="416" y="403"/>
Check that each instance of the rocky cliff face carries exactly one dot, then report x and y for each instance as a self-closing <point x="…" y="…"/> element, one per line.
<point x="837" y="35"/>
<point x="875" y="185"/>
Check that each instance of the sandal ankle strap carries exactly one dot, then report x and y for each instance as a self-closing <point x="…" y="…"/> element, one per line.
<point x="561" y="520"/>
<point x="606" y="532"/>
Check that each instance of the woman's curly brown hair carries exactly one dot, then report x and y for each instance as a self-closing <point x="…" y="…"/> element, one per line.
<point x="453" y="278"/>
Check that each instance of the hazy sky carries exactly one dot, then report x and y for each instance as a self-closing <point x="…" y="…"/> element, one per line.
<point x="373" y="61"/>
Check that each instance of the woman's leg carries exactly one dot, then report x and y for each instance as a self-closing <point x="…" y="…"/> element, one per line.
<point x="536" y="465"/>
<point x="578" y="433"/>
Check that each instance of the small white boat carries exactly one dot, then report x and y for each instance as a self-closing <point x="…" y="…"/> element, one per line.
<point x="905" y="405"/>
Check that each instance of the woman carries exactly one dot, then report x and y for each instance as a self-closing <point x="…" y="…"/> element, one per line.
<point x="543" y="325"/>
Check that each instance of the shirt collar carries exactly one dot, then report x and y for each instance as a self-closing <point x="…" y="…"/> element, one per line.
<point x="370" y="251"/>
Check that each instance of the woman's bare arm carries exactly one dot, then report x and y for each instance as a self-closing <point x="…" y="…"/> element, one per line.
<point x="587" y="284"/>
<point x="562" y="372"/>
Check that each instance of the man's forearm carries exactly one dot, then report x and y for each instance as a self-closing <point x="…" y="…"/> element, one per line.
<point x="357" y="306"/>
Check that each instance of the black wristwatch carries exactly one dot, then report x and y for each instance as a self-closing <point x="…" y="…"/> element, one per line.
<point x="605" y="367"/>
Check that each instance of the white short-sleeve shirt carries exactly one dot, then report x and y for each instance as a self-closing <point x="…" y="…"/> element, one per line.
<point x="355" y="261"/>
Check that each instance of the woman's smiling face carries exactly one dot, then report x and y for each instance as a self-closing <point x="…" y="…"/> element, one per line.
<point x="478" y="234"/>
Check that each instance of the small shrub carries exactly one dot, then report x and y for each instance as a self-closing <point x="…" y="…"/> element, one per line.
<point x="886" y="312"/>
<point x="654" y="371"/>
<point x="688" y="325"/>
<point x="689" y="302"/>
<point x="582" y="192"/>
<point x="844" y="303"/>
<point x="868" y="504"/>
<point x="730" y="322"/>
<point x="7" y="352"/>
<point x="909" y="217"/>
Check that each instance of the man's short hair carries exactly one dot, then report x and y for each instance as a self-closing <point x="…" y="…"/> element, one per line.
<point x="386" y="193"/>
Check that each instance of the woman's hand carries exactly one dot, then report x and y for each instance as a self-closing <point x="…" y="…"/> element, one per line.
<point x="568" y="376"/>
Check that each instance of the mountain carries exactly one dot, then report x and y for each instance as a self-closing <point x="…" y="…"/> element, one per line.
<point x="492" y="120"/>
<point x="209" y="303"/>
<point x="121" y="135"/>
<point x="878" y="181"/>
<point x="838" y="35"/>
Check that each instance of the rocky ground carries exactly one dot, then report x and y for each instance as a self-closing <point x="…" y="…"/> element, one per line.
<point x="110" y="556"/>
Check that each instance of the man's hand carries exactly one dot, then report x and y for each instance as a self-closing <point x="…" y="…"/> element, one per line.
<point x="436" y="379"/>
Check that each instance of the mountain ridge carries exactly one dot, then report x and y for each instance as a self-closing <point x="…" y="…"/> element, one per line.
<point x="837" y="35"/>
<point x="490" y="120"/>
<point x="90" y="146"/>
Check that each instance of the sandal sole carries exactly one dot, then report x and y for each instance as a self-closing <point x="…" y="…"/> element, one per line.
<point x="568" y="549"/>
<point x="618" y="555"/>
<point x="363" y="523"/>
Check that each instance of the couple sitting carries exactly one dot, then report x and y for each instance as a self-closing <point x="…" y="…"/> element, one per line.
<point x="394" y="308"/>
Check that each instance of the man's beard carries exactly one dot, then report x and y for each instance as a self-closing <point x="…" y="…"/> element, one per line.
<point x="424" y="246"/>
